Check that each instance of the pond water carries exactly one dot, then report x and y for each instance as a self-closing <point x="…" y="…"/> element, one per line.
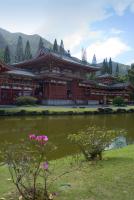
<point x="12" y="129"/>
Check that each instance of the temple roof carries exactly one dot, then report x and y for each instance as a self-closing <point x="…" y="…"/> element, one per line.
<point x="7" y="69"/>
<point x="106" y="75"/>
<point x="46" y="57"/>
<point x="115" y="85"/>
<point x="20" y="72"/>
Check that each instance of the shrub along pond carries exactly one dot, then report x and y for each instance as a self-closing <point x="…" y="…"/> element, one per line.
<point x="95" y="179"/>
<point x="12" y="129"/>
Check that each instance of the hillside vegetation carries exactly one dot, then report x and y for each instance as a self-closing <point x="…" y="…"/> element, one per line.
<point x="10" y="39"/>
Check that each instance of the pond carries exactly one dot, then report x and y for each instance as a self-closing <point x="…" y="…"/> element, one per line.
<point x="12" y="129"/>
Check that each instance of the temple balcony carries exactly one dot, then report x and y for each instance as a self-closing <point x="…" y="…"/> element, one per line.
<point x="64" y="74"/>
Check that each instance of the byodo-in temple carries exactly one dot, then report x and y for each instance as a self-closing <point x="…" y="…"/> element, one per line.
<point x="58" y="79"/>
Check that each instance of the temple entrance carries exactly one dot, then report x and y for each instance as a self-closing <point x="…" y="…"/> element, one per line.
<point x="39" y="89"/>
<point x="69" y="90"/>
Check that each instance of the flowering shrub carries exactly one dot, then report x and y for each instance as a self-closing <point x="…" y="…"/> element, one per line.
<point x="29" y="168"/>
<point x="93" y="141"/>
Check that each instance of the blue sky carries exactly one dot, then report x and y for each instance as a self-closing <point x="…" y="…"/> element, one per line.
<point x="103" y="27"/>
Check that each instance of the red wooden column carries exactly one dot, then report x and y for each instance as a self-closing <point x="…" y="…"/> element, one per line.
<point x="11" y="94"/>
<point x="49" y="90"/>
<point x="75" y="90"/>
<point x="0" y="93"/>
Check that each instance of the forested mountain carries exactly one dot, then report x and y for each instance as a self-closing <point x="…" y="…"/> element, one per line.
<point x="123" y="69"/>
<point x="11" y="39"/>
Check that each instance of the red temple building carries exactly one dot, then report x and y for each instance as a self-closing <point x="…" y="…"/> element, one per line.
<point x="58" y="79"/>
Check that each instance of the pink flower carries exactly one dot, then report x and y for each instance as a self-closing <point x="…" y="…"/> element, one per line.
<point x="45" y="138"/>
<point x="42" y="139"/>
<point x="38" y="138"/>
<point x="32" y="137"/>
<point x="45" y="165"/>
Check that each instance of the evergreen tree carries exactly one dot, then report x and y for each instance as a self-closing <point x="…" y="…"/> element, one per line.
<point x="106" y="67"/>
<point x="28" y="54"/>
<point x="110" y="66"/>
<point x="55" y="46"/>
<point x="131" y="74"/>
<point x="94" y="61"/>
<point x="103" y="67"/>
<point x="19" y="51"/>
<point x="41" y="44"/>
<point x="132" y="66"/>
<point x="7" y="55"/>
<point x="117" y="70"/>
<point x="1" y="54"/>
<point x="62" y="47"/>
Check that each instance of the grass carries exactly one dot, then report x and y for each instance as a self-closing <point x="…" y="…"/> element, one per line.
<point x="109" y="179"/>
<point x="56" y="109"/>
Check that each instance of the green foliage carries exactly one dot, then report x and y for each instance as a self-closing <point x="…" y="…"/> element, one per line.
<point x="1" y="54"/>
<point x="62" y="47"/>
<point x="55" y="46"/>
<point x="132" y="66"/>
<point x="26" y="100"/>
<point x="131" y="74"/>
<point x="110" y="66"/>
<point x="117" y="70"/>
<point x="28" y="167"/>
<point x="93" y="141"/>
<point x="7" y="58"/>
<point x="105" y="67"/>
<point x="28" y="54"/>
<point x="118" y="101"/>
<point x="41" y="44"/>
<point x="19" y="50"/>
<point x="122" y="78"/>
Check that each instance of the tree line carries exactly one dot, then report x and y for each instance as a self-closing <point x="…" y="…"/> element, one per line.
<point x="107" y="67"/>
<point x="25" y="54"/>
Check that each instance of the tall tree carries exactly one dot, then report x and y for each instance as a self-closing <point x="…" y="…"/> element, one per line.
<point x="103" y="67"/>
<point x="7" y="55"/>
<point x="117" y="70"/>
<point x="132" y="66"/>
<point x="110" y="66"/>
<point x="1" y="54"/>
<point x="28" y="54"/>
<point x="55" y="46"/>
<point x="19" y="51"/>
<point x="106" y="67"/>
<point x="62" y="47"/>
<point x="94" y="60"/>
<point x="41" y="44"/>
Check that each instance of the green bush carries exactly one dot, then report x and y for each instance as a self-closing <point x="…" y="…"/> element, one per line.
<point x="26" y="100"/>
<point x="2" y="112"/>
<point x="118" y="101"/>
<point x="93" y="141"/>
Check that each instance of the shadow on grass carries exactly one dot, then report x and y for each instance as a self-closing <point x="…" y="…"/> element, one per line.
<point x="116" y="161"/>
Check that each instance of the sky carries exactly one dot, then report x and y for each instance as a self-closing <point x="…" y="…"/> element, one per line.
<point x="103" y="27"/>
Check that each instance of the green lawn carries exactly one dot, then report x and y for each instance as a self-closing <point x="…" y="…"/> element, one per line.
<point x="56" y="109"/>
<point x="109" y="179"/>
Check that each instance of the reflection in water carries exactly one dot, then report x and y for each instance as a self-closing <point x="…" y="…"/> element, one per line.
<point x="12" y="129"/>
<point x="119" y="142"/>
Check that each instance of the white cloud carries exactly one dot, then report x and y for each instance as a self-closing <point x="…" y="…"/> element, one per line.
<point x="121" y="5"/>
<point x="79" y="38"/>
<point x="67" y="17"/>
<point x="116" y="31"/>
<point x="130" y="62"/>
<point x="111" y="47"/>
<point x="73" y="40"/>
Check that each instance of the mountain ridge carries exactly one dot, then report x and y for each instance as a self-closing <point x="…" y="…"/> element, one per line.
<point x="10" y="39"/>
